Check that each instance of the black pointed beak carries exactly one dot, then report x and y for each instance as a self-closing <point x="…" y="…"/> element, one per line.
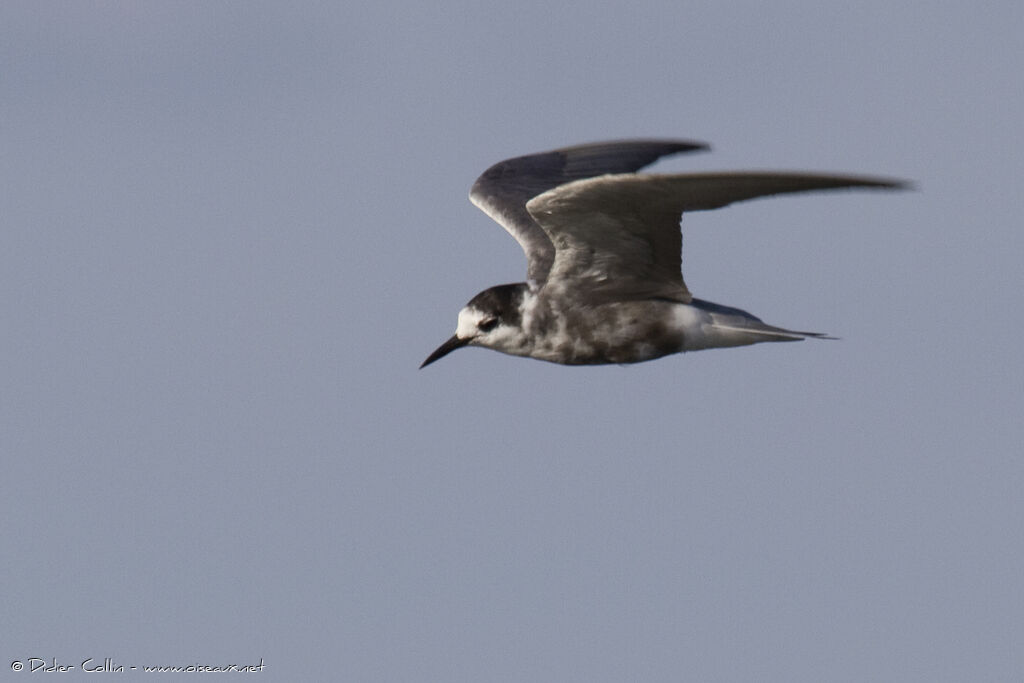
<point x="444" y="349"/>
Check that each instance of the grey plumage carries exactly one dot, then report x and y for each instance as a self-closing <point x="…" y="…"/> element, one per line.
<point x="603" y="250"/>
<point x="503" y="190"/>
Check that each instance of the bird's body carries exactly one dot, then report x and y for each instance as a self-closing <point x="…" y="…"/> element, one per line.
<point x="547" y="325"/>
<point x="603" y="246"/>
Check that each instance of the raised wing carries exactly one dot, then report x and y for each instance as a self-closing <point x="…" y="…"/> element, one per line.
<point x="617" y="236"/>
<point x="504" y="189"/>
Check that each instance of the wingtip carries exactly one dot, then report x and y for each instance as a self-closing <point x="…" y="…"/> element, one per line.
<point x="680" y="146"/>
<point x="884" y="183"/>
<point x="694" y="145"/>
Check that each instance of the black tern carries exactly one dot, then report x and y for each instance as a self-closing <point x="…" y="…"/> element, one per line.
<point x="603" y="246"/>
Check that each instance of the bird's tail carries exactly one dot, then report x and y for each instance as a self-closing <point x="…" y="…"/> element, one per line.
<point x="726" y="326"/>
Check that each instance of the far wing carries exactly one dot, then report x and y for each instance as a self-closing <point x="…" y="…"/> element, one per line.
<point x="503" y="189"/>
<point x="618" y="235"/>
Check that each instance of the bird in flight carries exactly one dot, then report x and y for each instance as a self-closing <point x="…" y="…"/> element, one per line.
<point x="603" y="247"/>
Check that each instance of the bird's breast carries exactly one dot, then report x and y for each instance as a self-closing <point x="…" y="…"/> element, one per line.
<point x="619" y="332"/>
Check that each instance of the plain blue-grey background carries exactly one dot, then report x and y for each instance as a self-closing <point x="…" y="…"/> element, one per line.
<point x="232" y="230"/>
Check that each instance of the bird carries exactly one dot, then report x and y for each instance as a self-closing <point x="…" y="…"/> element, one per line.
<point x="603" y="248"/>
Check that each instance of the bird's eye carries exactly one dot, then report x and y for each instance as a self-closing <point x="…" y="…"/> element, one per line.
<point x="487" y="324"/>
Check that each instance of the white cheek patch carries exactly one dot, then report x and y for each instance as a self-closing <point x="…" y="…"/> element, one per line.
<point x="469" y="319"/>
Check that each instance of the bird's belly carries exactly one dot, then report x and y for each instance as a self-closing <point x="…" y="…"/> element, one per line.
<point x="612" y="333"/>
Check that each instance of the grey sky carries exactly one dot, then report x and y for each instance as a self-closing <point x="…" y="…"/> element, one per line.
<point x="234" y="230"/>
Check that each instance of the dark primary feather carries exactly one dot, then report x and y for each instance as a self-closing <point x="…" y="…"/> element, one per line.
<point x="503" y="190"/>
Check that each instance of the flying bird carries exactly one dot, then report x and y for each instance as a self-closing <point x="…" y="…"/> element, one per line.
<point x="603" y="248"/>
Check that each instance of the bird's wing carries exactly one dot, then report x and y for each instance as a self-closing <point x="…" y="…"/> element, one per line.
<point x="617" y="236"/>
<point x="503" y="189"/>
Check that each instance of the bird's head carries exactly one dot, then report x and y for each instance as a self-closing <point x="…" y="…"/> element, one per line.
<point x="493" y="319"/>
